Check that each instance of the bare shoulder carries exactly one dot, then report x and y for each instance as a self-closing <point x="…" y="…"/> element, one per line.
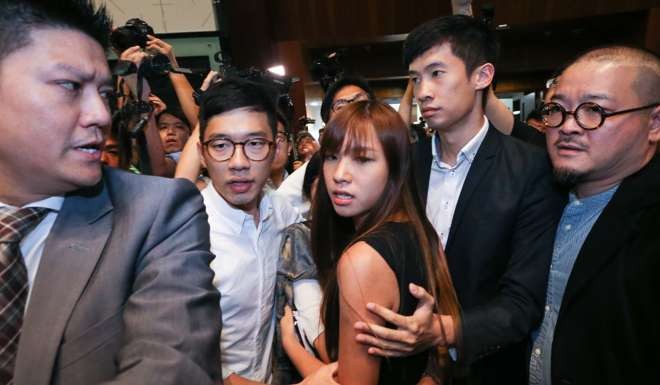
<point x="364" y="276"/>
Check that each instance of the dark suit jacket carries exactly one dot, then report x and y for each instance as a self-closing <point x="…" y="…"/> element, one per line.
<point x="608" y="329"/>
<point x="124" y="291"/>
<point x="498" y="250"/>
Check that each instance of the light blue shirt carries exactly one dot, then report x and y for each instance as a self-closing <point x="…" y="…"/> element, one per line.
<point x="575" y="224"/>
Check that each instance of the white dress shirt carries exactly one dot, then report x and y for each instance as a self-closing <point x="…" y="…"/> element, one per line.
<point x="446" y="182"/>
<point x="245" y="269"/>
<point x="32" y="245"/>
<point x="291" y="190"/>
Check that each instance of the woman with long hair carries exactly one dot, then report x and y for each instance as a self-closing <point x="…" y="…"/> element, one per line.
<point x="371" y="239"/>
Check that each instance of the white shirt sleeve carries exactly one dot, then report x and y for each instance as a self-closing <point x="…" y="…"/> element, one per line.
<point x="307" y="298"/>
<point x="291" y="190"/>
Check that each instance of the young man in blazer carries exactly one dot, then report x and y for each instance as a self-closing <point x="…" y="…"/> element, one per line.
<point x="491" y="199"/>
<point x="115" y="284"/>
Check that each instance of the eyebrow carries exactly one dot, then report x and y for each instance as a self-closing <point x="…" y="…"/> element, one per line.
<point x="246" y="136"/>
<point x="82" y="75"/>
<point x="585" y="97"/>
<point x="429" y="67"/>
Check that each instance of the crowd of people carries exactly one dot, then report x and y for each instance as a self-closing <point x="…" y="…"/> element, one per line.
<point x="484" y="251"/>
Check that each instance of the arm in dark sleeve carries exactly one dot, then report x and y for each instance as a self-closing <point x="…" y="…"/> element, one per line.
<point x="172" y="317"/>
<point x="517" y="307"/>
<point x="528" y="134"/>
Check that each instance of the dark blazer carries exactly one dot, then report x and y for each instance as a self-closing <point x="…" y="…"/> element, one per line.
<point x="608" y="329"/>
<point x="124" y="291"/>
<point x="498" y="251"/>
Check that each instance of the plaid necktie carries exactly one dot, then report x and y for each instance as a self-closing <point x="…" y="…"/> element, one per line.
<point x="14" y="225"/>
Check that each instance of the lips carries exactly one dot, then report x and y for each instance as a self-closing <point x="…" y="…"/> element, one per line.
<point x="342" y="198"/>
<point x="569" y="147"/>
<point x="90" y="151"/>
<point x="429" y="111"/>
<point x="240" y="186"/>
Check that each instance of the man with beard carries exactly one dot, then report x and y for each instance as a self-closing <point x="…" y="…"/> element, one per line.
<point x="601" y="316"/>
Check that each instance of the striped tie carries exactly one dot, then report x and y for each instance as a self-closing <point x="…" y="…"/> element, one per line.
<point x="14" y="225"/>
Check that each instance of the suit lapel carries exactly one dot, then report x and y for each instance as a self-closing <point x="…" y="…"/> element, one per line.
<point x="70" y="255"/>
<point x="614" y="228"/>
<point x="483" y="162"/>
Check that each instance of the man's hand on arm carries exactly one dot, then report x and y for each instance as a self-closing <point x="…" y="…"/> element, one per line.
<point x="415" y="333"/>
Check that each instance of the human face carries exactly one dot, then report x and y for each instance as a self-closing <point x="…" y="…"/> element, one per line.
<point x="307" y="147"/>
<point x="54" y="104"/>
<point x="239" y="180"/>
<point x="595" y="160"/>
<point x="346" y="95"/>
<point x="110" y="153"/>
<point x="446" y="93"/>
<point x="173" y="132"/>
<point x="355" y="180"/>
<point x="282" y="150"/>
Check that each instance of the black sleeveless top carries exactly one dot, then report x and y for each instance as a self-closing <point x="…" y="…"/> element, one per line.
<point x="397" y="243"/>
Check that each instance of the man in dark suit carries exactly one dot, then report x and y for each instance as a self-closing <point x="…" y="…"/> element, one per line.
<point x="105" y="274"/>
<point x="601" y="324"/>
<point x="490" y="198"/>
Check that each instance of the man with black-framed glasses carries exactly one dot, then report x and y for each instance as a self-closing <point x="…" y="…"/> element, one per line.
<point x="601" y="316"/>
<point x="237" y="147"/>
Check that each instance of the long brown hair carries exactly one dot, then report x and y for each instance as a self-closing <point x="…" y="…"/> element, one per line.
<point x="332" y="234"/>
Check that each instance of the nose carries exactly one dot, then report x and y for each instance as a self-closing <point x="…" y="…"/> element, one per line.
<point x="422" y="90"/>
<point x="238" y="160"/>
<point x="342" y="173"/>
<point x="570" y="126"/>
<point x="94" y="110"/>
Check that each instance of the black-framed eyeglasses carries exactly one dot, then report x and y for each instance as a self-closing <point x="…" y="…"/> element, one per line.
<point x="588" y="115"/>
<point x="222" y="149"/>
<point x="341" y="103"/>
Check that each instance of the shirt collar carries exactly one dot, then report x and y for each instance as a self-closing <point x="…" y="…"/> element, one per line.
<point x="234" y="218"/>
<point x="469" y="150"/>
<point x="53" y="203"/>
<point x="597" y="200"/>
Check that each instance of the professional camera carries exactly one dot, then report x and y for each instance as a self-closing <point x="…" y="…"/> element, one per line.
<point x="327" y="69"/>
<point x="133" y="33"/>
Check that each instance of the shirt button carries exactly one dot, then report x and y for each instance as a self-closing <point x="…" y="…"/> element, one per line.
<point x="547" y="308"/>
<point x="537" y="352"/>
<point x="568" y="227"/>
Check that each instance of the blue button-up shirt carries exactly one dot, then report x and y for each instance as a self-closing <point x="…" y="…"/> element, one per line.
<point x="576" y="222"/>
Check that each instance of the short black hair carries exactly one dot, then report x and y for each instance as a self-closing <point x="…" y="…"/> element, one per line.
<point x="470" y="40"/>
<point x="19" y="17"/>
<point x="234" y="93"/>
<point x="311" y="173"/>
<point x="177" y="113"/>
<point x="335" y="87"/>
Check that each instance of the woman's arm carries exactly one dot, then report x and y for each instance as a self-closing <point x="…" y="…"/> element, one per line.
<point x="190" y="162"/>
<point x="304" y="361"/>
<point x="406" y="103"/>
<point x="363" y="276"/>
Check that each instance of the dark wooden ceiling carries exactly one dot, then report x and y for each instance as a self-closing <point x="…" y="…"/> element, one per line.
<point x="540" y="35"/>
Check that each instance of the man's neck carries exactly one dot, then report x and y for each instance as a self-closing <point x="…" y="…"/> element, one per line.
<point x="455" y="137"/>
<point x="277" y="177"/>
<point x="595" y="186"/>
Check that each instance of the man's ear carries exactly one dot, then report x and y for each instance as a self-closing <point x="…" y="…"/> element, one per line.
<point x="654" y="125"/>
<point x="482" y="76"/>
<point x="200" y="150"/>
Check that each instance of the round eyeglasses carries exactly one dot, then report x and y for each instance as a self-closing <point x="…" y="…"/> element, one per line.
<point x="588" y="115"/>
<point x="222" y="149"/>
<point x="341" y="103"/>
